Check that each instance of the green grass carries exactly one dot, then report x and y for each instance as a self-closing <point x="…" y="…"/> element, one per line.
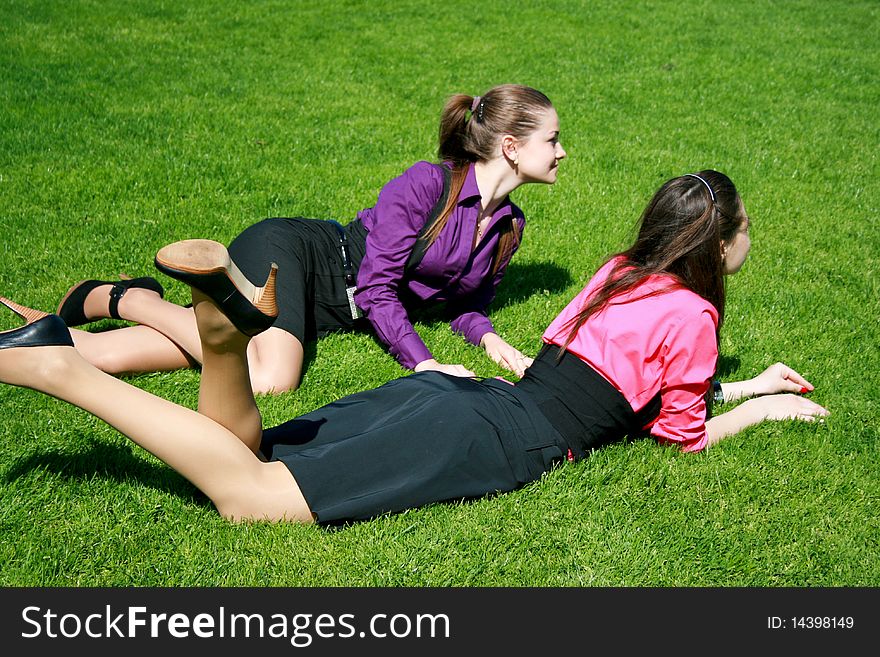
<point x="128" y="125"/>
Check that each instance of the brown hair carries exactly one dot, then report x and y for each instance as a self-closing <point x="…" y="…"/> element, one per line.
<point x="680" y="236"/>
<point x="468" y="135"/>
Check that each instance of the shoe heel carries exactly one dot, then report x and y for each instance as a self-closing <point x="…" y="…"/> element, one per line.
<point x="29" y="315"/>
<point x="266" y="302"/>
<point x="206" y="266"/>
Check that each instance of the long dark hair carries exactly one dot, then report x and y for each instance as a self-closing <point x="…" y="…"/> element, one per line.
<point x="471" y="135"/>
<point x="680" y="236"/>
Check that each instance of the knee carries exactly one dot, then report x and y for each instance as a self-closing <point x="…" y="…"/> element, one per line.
<point x="272" y="379"/>
<point x="110" y="361"/>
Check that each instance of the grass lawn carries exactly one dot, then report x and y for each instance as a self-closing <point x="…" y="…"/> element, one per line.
<point x="128" y="125"/>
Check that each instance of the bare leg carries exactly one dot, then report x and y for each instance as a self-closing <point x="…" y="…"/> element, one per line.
<point x="131" y="349"/>
<point x="147" y="308"/>
<point x="275" y="359"/>
<point x="206" y="453"/>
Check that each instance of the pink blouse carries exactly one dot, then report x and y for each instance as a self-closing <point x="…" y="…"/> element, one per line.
<point x="664" y="343"/>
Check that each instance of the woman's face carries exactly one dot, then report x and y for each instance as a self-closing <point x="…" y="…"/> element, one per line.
<point x="736" y="249"/>
<point x="540" y="152"/>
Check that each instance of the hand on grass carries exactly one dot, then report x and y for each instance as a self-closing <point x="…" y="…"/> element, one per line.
<point x="779" y="378"/>
<point x="786" y="407"/>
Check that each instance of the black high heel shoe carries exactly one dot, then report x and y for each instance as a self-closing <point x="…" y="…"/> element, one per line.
<point x="47" y="331"/>
<point x="71" y="308"/>
<point x="206" y="266"/>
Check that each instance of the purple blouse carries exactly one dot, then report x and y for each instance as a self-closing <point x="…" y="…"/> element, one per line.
<point x="449" y="272"/>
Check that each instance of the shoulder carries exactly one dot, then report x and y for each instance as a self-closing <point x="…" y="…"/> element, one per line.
<point x="424" y="173"/>
<point x="691" y="307"/>
<point x="674" y="301"/>
<point x="421" y="183"/>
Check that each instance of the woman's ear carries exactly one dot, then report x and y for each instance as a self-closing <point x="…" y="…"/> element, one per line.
<point x="509" y="144"/>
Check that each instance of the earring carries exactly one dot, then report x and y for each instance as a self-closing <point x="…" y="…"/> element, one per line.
<point x="516" y="161"/>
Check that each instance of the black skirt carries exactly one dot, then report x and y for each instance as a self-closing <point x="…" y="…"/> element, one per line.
<point x="423" y="438"/>
<point x="431" y="437"/>
<point x="311" y="284"/>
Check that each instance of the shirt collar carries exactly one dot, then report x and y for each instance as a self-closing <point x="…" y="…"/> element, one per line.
<point x="469" y="189"/>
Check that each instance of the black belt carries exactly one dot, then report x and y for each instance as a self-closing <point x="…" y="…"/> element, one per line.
<point x="580" y="403"/>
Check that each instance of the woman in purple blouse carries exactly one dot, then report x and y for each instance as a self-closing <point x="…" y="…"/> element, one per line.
<point x="439" y="233"/>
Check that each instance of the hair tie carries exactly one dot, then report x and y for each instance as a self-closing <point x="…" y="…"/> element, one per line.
<point x="477" y="108"/>
<point x="711" y="193"/>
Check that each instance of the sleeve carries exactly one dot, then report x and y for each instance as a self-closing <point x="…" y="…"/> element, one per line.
<point x="469" y="314"/>
<point x="400" y="213"/>
<point x="689" y="357"/>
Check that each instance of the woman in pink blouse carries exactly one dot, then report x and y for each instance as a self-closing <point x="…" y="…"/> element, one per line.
<point x="634" y="352"/>
<point x="439" y="233"/>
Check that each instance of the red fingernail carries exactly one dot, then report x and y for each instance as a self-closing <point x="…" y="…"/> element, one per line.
<point x="803" y="390"/>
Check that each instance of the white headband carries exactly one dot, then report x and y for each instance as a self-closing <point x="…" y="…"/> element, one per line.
<point x="711" y="193"/>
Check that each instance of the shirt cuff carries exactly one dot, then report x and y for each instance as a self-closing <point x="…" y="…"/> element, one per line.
<point x="410" y="351"/>
<point x="473" y="326"/>
<point x="695" y="444"/>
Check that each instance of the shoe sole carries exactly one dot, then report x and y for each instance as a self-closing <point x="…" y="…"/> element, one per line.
<point x="203" y="257"/>
<point x="207" y="258"/>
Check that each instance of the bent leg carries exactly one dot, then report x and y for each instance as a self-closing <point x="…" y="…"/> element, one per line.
<point x="225" y="392"/>
<point x="176" y="323"/>
<point x="146" y="307"/>
<point x="275" y="358"/>
<point x="168" y="339"/>
<point x="206" y="453"/>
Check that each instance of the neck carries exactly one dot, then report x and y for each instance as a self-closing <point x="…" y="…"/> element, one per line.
<point x="495" y="180"/>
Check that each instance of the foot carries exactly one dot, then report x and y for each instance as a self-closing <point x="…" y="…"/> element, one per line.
<point x="90" y="299"/>
<point x="216" y="330"/>
<point x="39" y="368"/>
<point x="30" y="355"/>
<point x="205" y="266"/>
<point x="97" y="302"/>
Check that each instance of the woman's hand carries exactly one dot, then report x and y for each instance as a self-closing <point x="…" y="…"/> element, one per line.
<point x="786" y="407"/>
<point x="779" y="378"/>
<point x="776" y="378"/>
<point x="453" y="370"/>
<point x="753" y="411"/>
<point x="505" y="355"/>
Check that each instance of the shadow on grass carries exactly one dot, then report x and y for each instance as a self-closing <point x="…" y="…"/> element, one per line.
<point x="108" y="461"/>
<point x="523" y="280"/>
<point x="726" y="366"/>
<point x="520" y="282"/>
